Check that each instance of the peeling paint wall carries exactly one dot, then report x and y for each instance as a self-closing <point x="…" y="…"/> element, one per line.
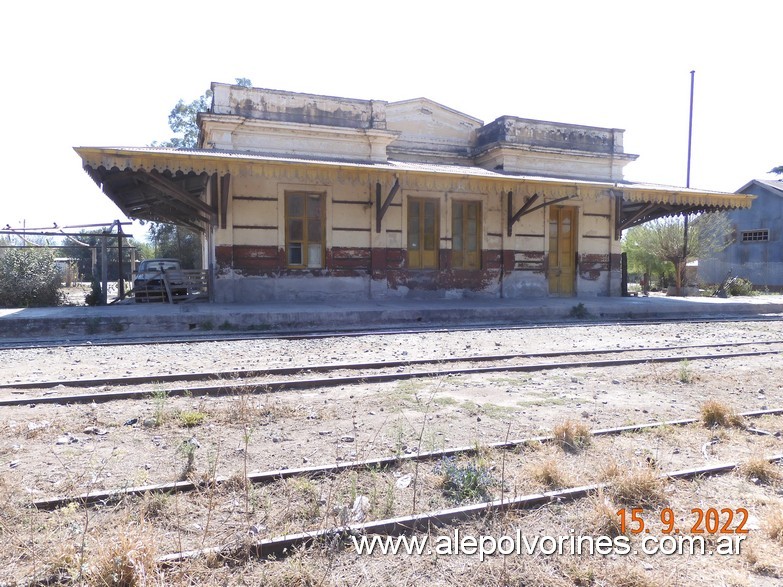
<point x="361" y="263"/>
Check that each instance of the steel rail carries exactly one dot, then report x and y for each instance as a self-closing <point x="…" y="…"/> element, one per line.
<point x="282" y="545"/>
<point x="187" y="338"/>
<point x="300" y="384"/>
<point x="326" y="368"/>
<point x="113" y="495"/>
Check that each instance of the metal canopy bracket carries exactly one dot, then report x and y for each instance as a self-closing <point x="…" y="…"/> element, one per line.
<point x="174" y="191"/>
<point x="645" y="210"/>
<point x="528" y="208"/>
<point x="213" y="199"/>
<point x="380" y="209"/>
<point x="631" y="214"/>
<point x="512" y="218"/>
<point x="156" y="197"/>
<point x="225" y="183"/>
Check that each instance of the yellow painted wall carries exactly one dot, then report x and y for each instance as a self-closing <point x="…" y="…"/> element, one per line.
<point x="348" y="185"/>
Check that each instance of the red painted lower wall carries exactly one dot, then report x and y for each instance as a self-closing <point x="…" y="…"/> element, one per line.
<point x="391" y="265"/>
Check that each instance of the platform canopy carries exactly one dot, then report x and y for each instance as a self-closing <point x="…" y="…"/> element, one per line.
<point x="637" y="203"/>
<point x="152" y="184"/>
<point x="190" y="187"/>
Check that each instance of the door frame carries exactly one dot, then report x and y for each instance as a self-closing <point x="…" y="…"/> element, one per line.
<point x="574" y="210"/>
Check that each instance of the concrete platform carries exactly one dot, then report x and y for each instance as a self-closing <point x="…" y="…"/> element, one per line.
<point x="129" y="321"/>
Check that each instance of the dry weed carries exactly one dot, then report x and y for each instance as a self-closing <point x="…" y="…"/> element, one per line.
<point x="153" y="505"/>
<point x="760" y="470"/>
<point x="736" y="579"/>
<point x="249" y="409"/>
<point x="530" y="445"/>
<point x="63" y="561"/>
<point x="762" y="559"/>
<point x="240" y="408"/>
<point x="303" y="500"/>
<point x="126" y="559"/>
<point x="715" y="413"/>
<point x="300" y="570"/>
<point x="549" y="474"/>
<point x="581" y="575"/>
<point x="655" y="375"/>
<point x="628" y="576"/>
<point x="237" y="482"/>
<point x="611" y="470"/>
<point x="603" y="519"/>
<point x="638" y="486"/>
<point x="8" y="510"/>
<point x="271" y="411"/>
<point x="572" y="436"/>
<point x="773" y="525"/>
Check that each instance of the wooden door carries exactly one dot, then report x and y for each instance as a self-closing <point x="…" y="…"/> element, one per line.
<point x="562" y="250"/>
<point x="423" y="233"/>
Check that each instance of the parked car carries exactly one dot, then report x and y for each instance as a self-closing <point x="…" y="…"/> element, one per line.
<point x="149" y="282"/>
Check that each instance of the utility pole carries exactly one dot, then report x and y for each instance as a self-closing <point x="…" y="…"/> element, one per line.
<point x="687" y="184"/>
<point x="690" y="134"/>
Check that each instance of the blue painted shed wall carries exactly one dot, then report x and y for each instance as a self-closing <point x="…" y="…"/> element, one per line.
<point x="760" y="262"/>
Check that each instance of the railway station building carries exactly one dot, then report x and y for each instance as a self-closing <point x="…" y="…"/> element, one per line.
<point x="309" y="197"/>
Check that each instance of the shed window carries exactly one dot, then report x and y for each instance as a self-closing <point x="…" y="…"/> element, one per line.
<point x="423" y="233"/>
<point x="466" y="235"/>
<point x="754" y="236"/>
<point x="304" y="221"/>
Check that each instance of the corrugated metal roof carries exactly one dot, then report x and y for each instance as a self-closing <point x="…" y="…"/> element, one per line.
<point x="433" y="168"/>
<point x="775" y="184"/>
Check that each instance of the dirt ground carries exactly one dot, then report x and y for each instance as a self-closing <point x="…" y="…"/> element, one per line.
<point x="53" y="450"/>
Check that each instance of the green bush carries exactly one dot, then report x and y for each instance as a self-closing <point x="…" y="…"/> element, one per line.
<point x="191" y="419"/>
<point x="740" y="287"/>
<point x="29" y="277"/>
<point x="468" y="483"/>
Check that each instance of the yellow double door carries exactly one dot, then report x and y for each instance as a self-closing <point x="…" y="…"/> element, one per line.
<point x="562" y="250"/>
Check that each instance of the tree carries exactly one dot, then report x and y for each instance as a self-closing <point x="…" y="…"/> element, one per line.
<point x="183" y="119"/>
<point x="641" y="261"/>
<point x="29" y="277"/>
<point x="169" y="240"/>
<point x="778" y="170"/>
<point x="663" y="240"/>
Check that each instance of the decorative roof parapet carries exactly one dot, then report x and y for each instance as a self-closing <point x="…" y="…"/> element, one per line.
<point x="551" y="135"/>
<point x="293" y="107"/>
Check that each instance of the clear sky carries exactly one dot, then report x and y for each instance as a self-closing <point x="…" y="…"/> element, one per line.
<point x="85" y="73"/>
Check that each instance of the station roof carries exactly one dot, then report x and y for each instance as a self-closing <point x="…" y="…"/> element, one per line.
<point x="169" y="185"/>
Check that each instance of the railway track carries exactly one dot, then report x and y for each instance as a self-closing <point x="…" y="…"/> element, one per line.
<point x="234" y="388"/>
<point x="375" y="365"/>
<point x="191" y="337"/>
<point x="278" y="546"/>
<point x="292" y="507"/>
<point x="282" y="545"/>
<point x="112" y="496"/>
